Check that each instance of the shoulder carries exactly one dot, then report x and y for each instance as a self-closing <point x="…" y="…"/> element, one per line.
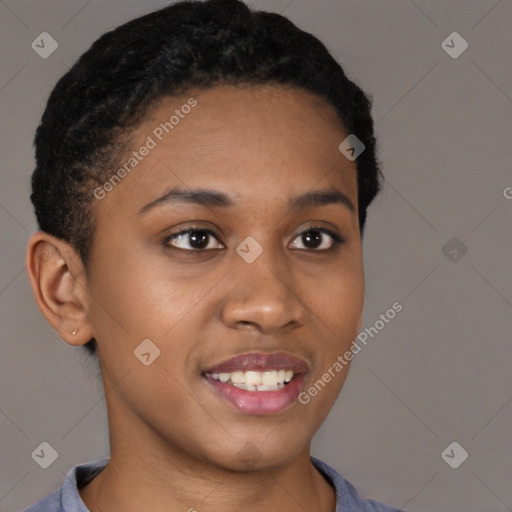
<point x="347" y="497"/>
<point x="67" y="499"/>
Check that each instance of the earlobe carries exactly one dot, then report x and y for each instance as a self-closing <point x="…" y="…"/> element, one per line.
<point x="58" y="283"/>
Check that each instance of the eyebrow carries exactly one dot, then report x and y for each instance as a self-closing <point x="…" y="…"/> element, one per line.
<point x="215" y="199"/>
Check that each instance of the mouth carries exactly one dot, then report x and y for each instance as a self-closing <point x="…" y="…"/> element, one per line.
<point x="258" y="383"/>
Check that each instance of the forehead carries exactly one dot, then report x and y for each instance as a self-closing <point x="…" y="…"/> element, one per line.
<point x="248" y="141"/>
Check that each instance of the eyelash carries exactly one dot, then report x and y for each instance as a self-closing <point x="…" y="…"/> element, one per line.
<point x="337" y="239"/>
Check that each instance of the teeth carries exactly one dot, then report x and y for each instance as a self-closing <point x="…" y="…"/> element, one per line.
<point x="237" y="377"/>
<point x="255" y="381"/>
<point x="269" y="388"/>
<point x="269" y="378"/>
<point x="260" y="387"/>
<point x="252" y="378"/>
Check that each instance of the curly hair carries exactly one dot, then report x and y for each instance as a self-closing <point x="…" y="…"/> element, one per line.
<point x="95" y="106"/>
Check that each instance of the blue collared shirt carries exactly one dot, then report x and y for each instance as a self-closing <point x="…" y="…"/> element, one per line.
<point x="67" y="498"/>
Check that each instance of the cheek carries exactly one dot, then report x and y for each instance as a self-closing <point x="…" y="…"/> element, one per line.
<point x="337" y="313"/>
<point x="134" y="301"/>
<point x="337" y="299"/>
<point x="347" y="304"/>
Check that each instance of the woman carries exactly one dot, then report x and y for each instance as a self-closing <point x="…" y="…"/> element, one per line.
<point x="203" y="175"/>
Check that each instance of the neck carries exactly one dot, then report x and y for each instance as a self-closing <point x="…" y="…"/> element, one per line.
<point x="138" y="479"/>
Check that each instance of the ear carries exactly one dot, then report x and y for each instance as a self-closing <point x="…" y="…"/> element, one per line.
<point x="58" y="281"/>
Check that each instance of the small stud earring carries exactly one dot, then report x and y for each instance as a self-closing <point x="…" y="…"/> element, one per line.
<point x="74" y="332"/>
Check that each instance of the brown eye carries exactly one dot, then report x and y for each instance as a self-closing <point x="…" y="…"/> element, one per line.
<point x="194" y="240"/>
<point x="315" y="239"/>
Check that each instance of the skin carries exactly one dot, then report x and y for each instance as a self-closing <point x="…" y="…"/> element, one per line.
<point x="175" y="444"/>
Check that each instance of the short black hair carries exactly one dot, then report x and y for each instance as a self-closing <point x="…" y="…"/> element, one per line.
<point x="189" y="44"/>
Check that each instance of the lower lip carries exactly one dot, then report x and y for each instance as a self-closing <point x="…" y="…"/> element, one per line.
<point x="259" y="402"/>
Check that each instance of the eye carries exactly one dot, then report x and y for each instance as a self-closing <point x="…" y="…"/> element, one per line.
<point x="194" y="239"/>
<point x="313" y="238"/>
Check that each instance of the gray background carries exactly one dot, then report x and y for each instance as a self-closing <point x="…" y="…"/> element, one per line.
<point x="439" y="372"/>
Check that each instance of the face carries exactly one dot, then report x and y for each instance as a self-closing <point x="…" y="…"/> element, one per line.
<point x="233" y="245"/>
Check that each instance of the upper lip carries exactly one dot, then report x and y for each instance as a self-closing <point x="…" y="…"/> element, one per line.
<point x="259" y="361"/>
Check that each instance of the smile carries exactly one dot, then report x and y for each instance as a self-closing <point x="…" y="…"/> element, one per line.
<point x="258" y="383"/>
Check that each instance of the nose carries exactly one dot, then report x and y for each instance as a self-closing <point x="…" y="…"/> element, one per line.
<point x="263" y="296"/>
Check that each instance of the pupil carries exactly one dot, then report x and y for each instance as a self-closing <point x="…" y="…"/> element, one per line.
<point x="199" y="239"/>
<point x="309" y="239"/>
